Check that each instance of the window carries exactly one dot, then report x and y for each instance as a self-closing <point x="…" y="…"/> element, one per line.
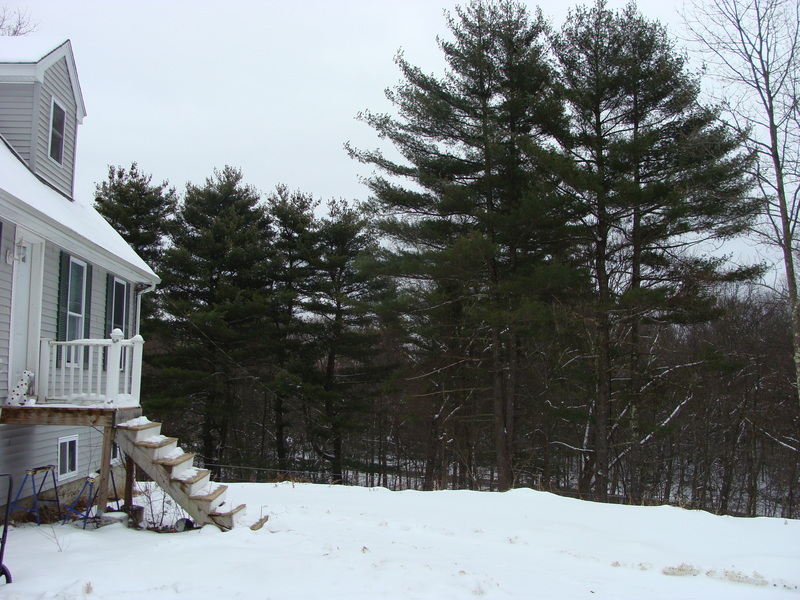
<point x="58" y="123"/>
<point x="117" y="305"/>
<point x="74" y="293"/>
<point x="76" y="303"/>
<point x="116" y="308"/>
<point x="67" y="456"/>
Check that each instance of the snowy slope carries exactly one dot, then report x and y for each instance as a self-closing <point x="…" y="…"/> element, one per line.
<point x="348" y="543"/>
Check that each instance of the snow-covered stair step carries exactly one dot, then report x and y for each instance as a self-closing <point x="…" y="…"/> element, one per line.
<point x="226" y="520"/>
<point x="141" y="428"/>
<point x="172" y="469"/>
<point x="176" y="461"/>
<point x="158" y="445"/>
<point x="192" y="480"/>
<point x="210" y="497"/>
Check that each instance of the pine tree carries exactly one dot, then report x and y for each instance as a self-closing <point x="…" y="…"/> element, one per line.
<point x="294" y="247"/>
<point x="649" y="172"/>
<point x="477" y="222"/>
<point x="142" y="212"/>
<point x="342" y="298"/>
<point x="215" y="290"/>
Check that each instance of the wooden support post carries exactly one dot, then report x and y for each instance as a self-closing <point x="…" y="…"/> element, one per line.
<point x="130" y="472"/>
<point x="105" y="468"/>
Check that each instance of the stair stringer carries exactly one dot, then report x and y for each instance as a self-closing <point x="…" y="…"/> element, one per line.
<point x="201" y="507"/>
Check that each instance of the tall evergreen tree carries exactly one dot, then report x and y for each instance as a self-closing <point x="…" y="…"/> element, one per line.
<point x="472" y="143"/>
<point x="144" y="215"/>
<point x="341" y="306"/>
<point x="294" y="246"/>
<point x="650" y="172"/>
<point x="215" y="283"/>
<point x="141" y="211"/>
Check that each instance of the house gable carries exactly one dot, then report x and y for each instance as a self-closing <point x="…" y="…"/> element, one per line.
<point x="39" y="95"/>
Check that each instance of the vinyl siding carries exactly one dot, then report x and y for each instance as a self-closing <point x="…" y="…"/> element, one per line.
<point x="56" y="85"/>
<point x="6" y="243"/>
<point x="25" y="447"/>
<point x="97" y="307"/>
<point x="97" y="323"/>
<point x="97" y="310"/>
<point x="16" y="116"/>
<point x="50" y="292"/>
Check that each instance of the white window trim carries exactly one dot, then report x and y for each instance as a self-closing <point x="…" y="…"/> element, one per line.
<point x="67" y="440"/>
<point x="54" y="103"/>
<point x="124" y="304"/>
<point x="73" y="260"/>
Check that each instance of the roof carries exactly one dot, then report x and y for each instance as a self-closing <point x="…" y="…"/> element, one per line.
<point x="34" y="204"/>
<point x="26" y="58"/>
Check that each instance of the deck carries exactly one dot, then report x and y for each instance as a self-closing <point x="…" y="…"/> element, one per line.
<point x="81" y="416"/>
<point x="83" y="383"/>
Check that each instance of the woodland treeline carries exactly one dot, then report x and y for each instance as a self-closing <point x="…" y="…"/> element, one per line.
<point x="532" y="295"/>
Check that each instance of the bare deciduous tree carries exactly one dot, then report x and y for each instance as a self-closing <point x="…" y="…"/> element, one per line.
<point x="15" y="22"/>
<point x="752" y="48"/>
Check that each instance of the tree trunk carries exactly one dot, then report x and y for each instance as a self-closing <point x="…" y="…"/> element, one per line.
<point x="210" y="459"/>
<point x="431" y="457"/>
<point x="280" y="434"/>
<point x="602" y="405"/>
<point x="503" y="418"/>
<point x="337" y="461"/>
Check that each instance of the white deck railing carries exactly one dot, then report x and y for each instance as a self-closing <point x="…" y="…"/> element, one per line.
<point x="91" y="371"/>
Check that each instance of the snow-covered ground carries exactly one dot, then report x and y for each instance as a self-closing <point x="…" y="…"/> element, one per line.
<point x="324" y="542"/>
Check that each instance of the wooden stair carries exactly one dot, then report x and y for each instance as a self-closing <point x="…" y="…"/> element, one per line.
<point x="172" y="469"/>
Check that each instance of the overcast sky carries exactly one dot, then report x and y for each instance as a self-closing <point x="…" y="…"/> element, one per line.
<point x="272" y="87"/>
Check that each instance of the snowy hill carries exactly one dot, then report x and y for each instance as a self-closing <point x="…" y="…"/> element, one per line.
<point x="325" y="542"/>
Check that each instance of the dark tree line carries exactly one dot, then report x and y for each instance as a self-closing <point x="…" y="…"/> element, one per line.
<point x="526" y="299"/>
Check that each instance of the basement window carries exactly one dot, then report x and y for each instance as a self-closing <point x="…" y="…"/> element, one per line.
<point x="67" y="456"/>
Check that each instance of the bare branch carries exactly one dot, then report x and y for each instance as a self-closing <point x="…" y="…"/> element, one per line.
<point x="16" y="22"/>
<point x="752" y="47"/>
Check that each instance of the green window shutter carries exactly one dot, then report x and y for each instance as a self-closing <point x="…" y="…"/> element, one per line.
<point x="63" y="290"/>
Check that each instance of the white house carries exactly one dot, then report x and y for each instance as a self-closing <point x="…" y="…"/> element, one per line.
<point x="65" y="273"/>
<point x="70" y="292"/>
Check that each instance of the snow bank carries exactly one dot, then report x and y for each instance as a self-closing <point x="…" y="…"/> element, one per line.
<point x="349" y="543"/>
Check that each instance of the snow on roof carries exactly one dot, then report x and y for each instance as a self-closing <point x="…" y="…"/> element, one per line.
<point x="28" y="49"/>
<point x="76" y="216"/>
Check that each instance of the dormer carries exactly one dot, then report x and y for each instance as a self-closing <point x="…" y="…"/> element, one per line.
<point x="41" y="106"/>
